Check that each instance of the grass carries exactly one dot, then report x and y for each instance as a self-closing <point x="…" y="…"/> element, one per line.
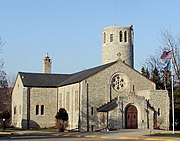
<point x="175" y="135"/>
<point x="41" y="130"/>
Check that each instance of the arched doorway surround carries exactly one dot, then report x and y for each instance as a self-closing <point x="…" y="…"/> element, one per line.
<point x="131" y="117"/>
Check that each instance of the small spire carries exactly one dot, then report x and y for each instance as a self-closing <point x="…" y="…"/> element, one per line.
<point x="47" y="55"/>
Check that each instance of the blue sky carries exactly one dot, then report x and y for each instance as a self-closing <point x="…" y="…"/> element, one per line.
<point x="70" y="30"/>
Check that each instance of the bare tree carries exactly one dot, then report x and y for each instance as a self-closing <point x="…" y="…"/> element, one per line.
<point x="5" y="91"/>
<point x="172" y="42"/>
<point x="11" y="78"/>
<point x="169" y="42"/>
<point x="1" y="60"/>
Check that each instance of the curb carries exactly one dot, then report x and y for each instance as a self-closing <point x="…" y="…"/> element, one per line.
<point x="100" y="137"/>
<point x="146" y="138"/>
<point x="107" y="137"/>
<point x="5" y="133"/>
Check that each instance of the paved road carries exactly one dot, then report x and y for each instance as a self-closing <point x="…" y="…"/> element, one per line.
<point x="120" y="135"/>
<point x="53" y="138"/>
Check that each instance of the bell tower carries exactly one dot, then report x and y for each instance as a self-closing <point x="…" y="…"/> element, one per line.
<point x="47" y="64"/>
<point x="118" y="40"/>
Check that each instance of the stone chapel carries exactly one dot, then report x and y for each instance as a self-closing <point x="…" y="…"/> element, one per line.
<point x="112" y="95"/>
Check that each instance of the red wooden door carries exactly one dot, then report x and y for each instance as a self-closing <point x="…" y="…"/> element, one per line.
<point x="131" y="117"/>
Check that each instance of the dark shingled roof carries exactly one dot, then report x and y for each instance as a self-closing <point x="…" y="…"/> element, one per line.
<point x="79" y="76"/>
<point x="55" y="80"/>
<point x="108" y="106"/>
<point x="42" y="79"/>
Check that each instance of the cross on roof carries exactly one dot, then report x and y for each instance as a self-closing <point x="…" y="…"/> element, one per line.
<point x="119" y="56"/>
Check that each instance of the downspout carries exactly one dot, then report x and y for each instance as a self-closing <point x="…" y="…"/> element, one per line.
<point x="110" y="93"/>
<point x="57" y="97"/>
<point x="87" y="107"/>
<point x="79" y="120"/>
<point x="28" y="106"/>
<point x="147" y="102"/>
<point x="122" y="115"/>
<point x="107" y="120"/>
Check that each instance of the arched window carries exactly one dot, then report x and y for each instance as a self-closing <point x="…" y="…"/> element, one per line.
<point x="111" y="37"/>
<point x="104" y="37"/>
<point x="125" y="36"/>
<point x="120" y="36"/>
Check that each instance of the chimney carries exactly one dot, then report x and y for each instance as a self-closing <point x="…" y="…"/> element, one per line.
<point x="47" y="64"/>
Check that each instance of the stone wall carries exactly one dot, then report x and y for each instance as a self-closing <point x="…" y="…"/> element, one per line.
<point x="68" y="98"/>
<point x="17" y="103"/>
<point x="43" y="107"/>
<point x="97" y="88"/>
<point x="111" y="49"/>
<point x="159" y="99"/>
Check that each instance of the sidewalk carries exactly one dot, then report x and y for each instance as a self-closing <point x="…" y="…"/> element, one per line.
<point x="135" y="134"/>
<point x="118" y="134"/>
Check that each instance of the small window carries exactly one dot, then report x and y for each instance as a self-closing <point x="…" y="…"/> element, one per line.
<point x="158" y="112"/>
<point x="37" y="109"/>
<point x="42" y="109"/>
<point x="125" y="36"/>
<point x="92" y="111"/>
<point x="111" y="37"/>
<point x="15" y="110"/>
<point x="104" y="37"/>
<point x="120" y="36"/>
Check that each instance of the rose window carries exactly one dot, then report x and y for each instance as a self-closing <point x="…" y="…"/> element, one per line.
<point x="119" y="82"/>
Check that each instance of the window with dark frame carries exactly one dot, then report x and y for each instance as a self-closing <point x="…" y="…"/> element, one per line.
<point x="42" y="109"/>
<point x="37" y="109"/>
<point x="158" y="112"/>
<point x="15" y="110"/>
<point x="111" y="37"/>
<point x="125" y="36"/>
<point x="120" y="36"/>
<point x="92" y="111"/>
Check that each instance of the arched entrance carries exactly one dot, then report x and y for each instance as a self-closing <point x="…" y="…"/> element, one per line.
<point x="131" y="117"/>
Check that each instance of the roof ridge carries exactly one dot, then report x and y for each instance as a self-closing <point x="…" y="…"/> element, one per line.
<point x="81" y="75"/>
<point x="44" y="73"/>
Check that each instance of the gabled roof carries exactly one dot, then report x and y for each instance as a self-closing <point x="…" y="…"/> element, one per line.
<point x="108" y="106"/>
<point x="55" y="80"/>
<point x="79" y="76"/>
<point x="42" y="79"/>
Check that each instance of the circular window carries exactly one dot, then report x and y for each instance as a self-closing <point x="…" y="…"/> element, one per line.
<point x="119" y="82"/>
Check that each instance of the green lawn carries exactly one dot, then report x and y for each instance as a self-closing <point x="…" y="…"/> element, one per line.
<point x="41" y="130"/>
<point x="176" y="135"/>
